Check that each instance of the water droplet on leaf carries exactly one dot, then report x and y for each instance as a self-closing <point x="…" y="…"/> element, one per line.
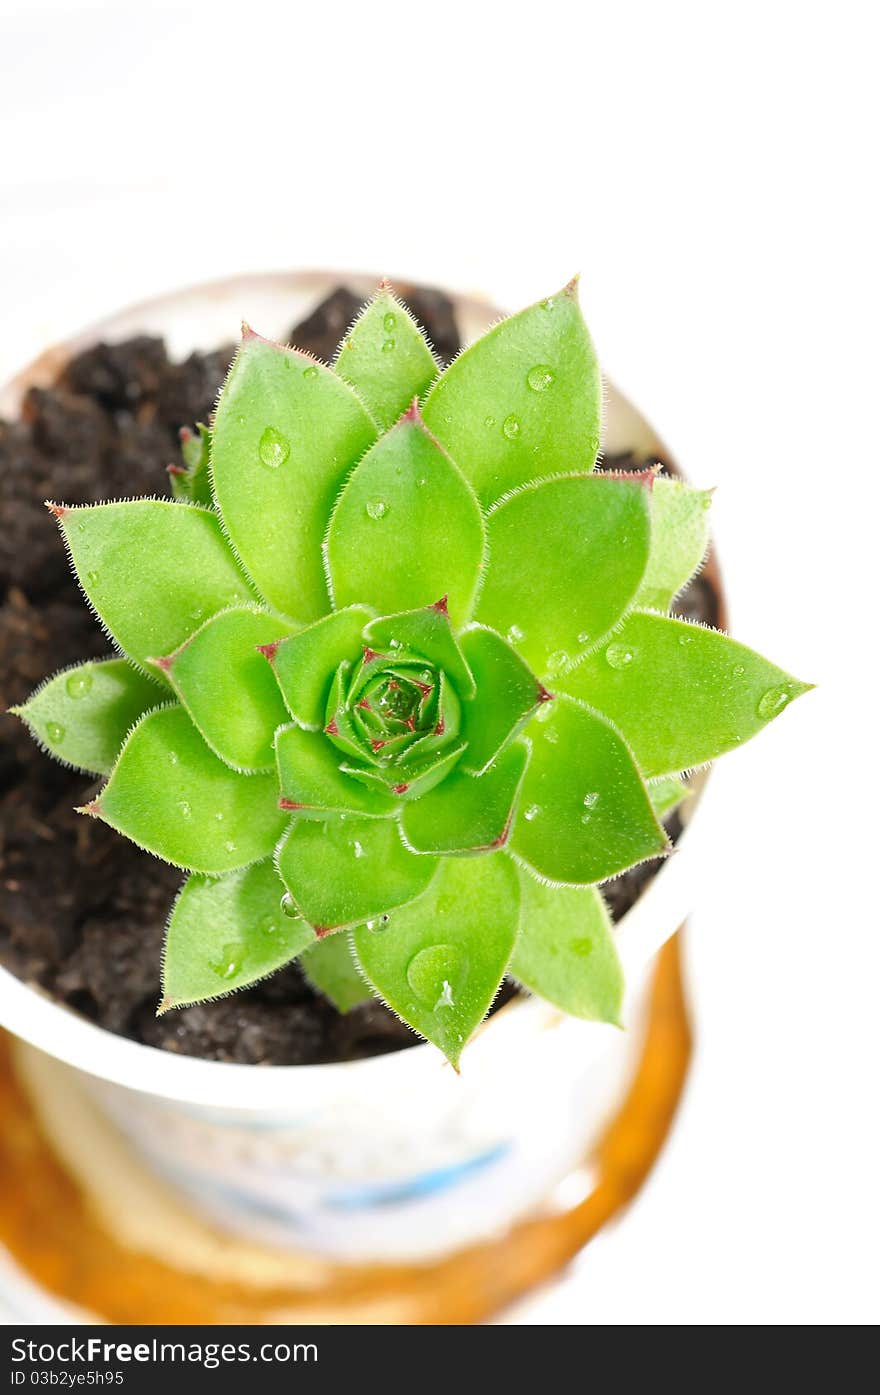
<point x="389" y="322"/>
<point x="274" y="448"/>
<point x="388" y="346"/>
<point x="511" y="427"/>
<point x="557" y="661"/>
<point x="532" y="812"/>
<point x="92" y="578"/>
<point x="489" y="421"/>
<point x="515" y="634"/>
<point x="78" y="684"/>
<point x="773" y="701"/>
<point x="310" y="373"/>
<point x="378" y="922"/>
<point x="231" y="961"/>
<point x="619" y="655"/>
<point x="739" y="670"/>
<point x="583" y="637"/>
<point x="433" y="972"/>
<point x="185" y="808"/>
<point x="288" y="907"/>
<point x="55" y="733"/>
<point x="358" y="848"/>
<point x="377" y="508"/>
<point x="540" y="377"/>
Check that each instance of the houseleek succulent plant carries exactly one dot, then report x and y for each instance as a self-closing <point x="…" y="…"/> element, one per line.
<point x="396" y="682"/>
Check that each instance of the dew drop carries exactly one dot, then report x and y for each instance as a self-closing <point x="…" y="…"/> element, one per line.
<point x="583" y="637"/>
<point x="358" y="848"/>
<point x="685" y="639"/>
<point x="378" y="922"/>
<point x="739" y="670"/>
<point x="288" y="907"/>
<point x="173" y="758"/>
<point x="389" y="322"/>
<point x="557" y="661"/>
<point x="219" y="816"/>
<point x="268" y="925"/>
<point x="540" y="377"/>
<point x="515" y="634"/>
<point x="274" y="448"/>
<point x="511" y="427"/>
<point x="432" y="974"/>
<point x="79" y="684"/>
<point x="591" y="799"/>
<point x="774" y="700"/>
<point x="489" y="420"/>
<point x="310" y="373"/>
<point x="619" y="655"/>
<point x="92" y="578"/>
<point x="377" y="508"/>
<point x="231" y="961"/>
<point x="388" y="346"/>
<point x="532" y="812"/>
<point x="185" y="808"/>
<point x="548" y="304"/>
<point x="55" y="733"/>
<point x="229" y="845"/>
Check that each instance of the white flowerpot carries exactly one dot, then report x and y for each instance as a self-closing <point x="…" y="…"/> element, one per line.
<point x="393" y="1158"/>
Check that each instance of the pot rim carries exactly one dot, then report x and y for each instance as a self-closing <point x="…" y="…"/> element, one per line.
<point x="30" y="1013"/>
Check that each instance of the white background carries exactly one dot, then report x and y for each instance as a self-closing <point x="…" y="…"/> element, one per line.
<point x="713" y="173"/>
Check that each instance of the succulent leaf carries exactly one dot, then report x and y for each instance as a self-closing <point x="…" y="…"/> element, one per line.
<point x="566" y="557"/>
<point x="330" y="965"/>
<point x="425" y="631"/>
<point x="306" y="662"/>
<point x="584" y="813"/>
<point x="406" y="528"/>
<point x="679" y="539"/>
<point x="507" y="694"/>
<point x="348" y="871"/>
<point x="467" y="813"/>
<point x="386" y="358"/>
<point x="439" y="962"/>
<point x="153" y="570"/>
<point x="191" y="481"/>
<point x="169" y="793"/>
<point x="227" y="932"/>
<point x="285" y="434"/>
<point x="680" y="693"/>
<point x="666" y="793"/>
<point x="227" y="688"/>
<point x="523" y="402"/>
<point x="314" y="785"/>
<point x="565" y="951"/>
<point x="83" y="714"/>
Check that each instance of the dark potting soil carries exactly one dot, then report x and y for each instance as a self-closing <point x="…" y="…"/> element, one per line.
<point x="82" y="911"/>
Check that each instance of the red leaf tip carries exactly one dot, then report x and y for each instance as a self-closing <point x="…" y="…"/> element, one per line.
<point x="92" y="809"/>
<point x="56" y="510"/>
<point x="412" y="414"/>
<point x="571" y="290"/>
<point x="384" y="285"/>
<point x="544" y="695"/>
<point x="400" y="789"/>
<point x="289" y="804"/>
<point x="441" y="606"/>
<point x="332" y="727"/>
<point x="164" y="662"/>
<point x="370" y="654"/>
<point x="176" y="469"/>
<point x="269" y="650"/>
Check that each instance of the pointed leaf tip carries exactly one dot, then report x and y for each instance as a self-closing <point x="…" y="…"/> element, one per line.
<point x="92" y="809"/>
<point x="573" y="286"/>
<point x="164" y="662"/>
<point x="413" y="415"/>
<point x="56" y="510"/>
<point x="441" y="606"/>
<point x="269" y="650"/>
